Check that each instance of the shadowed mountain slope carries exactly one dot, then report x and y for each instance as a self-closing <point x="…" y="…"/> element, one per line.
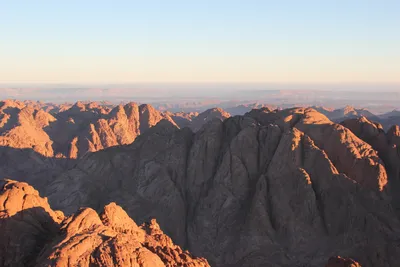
<point x="271" y="188"/>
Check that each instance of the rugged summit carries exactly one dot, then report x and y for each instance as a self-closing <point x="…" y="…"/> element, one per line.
<point x="35" y="235"/>
<point x="90" y="128"/>
<point x="72" y="131"/>
<point x="22" y="127"/>
<point x="348" y="112"/>
<point x="206" y="116"/>
<point x="75" y="131"/>
<point x="271" y="188"/>
<point x="387" y="145"/>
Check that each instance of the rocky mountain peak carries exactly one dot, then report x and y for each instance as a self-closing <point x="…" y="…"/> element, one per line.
<point x="206" y="116"/>
<point x="34" y="235"/>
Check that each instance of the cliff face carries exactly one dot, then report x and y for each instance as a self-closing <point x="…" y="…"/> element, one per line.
<point x="35" y="235"/>
<point x="271" y="188"/>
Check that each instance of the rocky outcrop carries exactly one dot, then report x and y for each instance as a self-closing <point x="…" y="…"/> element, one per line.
<point x="72" y="132"/>
<point x="348" y="153"/>
<point x="342" y="262"/>
<point x="387" y="146"/>
<point x="206" y="116"/>
<point x="348" y="112"/>
<point x="27" y="223"/>
<point x="22" y="127"/>
<point x="271" y="188"/>
<point x="35" y="235"/>
<point x="182" y="119"/>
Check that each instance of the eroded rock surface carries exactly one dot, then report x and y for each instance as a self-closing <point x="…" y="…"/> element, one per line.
<point x="271" y="188"/>
<point x="72" y="131"/>
<point x="387" y="145"/>
<point x="342" y="262"/>
<point x="206" y="116"/>
<point x="35" y="235"/>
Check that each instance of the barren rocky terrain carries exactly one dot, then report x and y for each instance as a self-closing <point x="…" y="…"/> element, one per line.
<point x="268" y="188"/>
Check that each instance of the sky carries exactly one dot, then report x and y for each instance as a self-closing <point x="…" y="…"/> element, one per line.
<point x="342" y="41"/>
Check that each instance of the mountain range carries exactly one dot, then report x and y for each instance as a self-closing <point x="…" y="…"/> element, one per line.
<point x="271" y="187"/>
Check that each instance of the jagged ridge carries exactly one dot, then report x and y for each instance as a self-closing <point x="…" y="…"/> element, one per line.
<point x="273" y="187"/>
<point x="35" y="235"/>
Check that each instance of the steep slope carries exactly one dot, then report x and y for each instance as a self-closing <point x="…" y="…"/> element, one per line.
<point x="206" y="116"/>
<point x="22" y="127"/>
<point x="30" y="166"/>
<point x="27" y="223"/>
<point x="35" y="235"/>
<point x="71" y="133"/>
<point x="387" y="144"/>
<point x="347" y="152"/>
<point x="272" y="188"/>
<point x="182" y="119"/>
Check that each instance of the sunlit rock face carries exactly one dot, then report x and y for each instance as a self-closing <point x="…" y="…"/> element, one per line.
<point x="35" y="235"/>
<point x="73" y="131"/>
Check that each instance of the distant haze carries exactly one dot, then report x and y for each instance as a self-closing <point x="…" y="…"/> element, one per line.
<point x="200" y="96"/>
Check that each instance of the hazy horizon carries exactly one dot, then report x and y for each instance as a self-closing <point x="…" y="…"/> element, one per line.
<point x="353" y="86"/>
<point x="199" y="97"/>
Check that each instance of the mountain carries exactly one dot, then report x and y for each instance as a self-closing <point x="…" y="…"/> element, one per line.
<point x="35" y="235"/>
<point x="182" y="119"/>
<point x="269" y="188"/>
<point x="244" y="108"/>
<point x="393" y="113"/>
<point x="347" y="112"/>
<point x="75" y="131"/>
<point x="284" y="188"/>
<point x="22" y="126"/>
<point x="387" y="145"/>
<point x="72" y="131"/>
<point x="50" y="143"/>
<point x="89" y="128"/>
<point x="389" y="119"/>
<point x="207" y="116"/>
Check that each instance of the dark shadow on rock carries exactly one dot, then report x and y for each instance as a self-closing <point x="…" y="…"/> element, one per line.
<point x="26" y="165"/>
<point x="24" y="235"/>
<point x="12" y="121"/>
<point x="69" y="124"/>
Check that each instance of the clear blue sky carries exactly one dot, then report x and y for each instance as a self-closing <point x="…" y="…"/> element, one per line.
<point x="200" y="41"/>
